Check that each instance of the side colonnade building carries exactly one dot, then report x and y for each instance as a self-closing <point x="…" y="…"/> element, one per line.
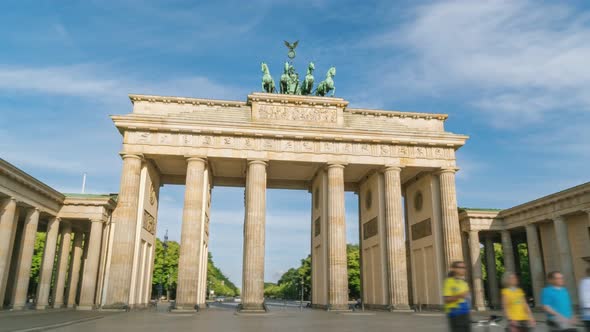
<point x="77" y="231"/>
<point x="555" y="230"/>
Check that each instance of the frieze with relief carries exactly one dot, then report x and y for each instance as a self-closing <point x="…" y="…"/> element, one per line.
<point x="291" y="145"/>
<point x="149" y="222"/>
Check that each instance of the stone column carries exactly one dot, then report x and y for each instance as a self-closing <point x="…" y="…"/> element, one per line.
<point x="494" y="291"/>
<point x="507" y="249"/>
<point x="90" y="274"/>
<point x="476" y="275"/>
<point x="190" y="243"/>
<point x="535" y="261"/>
<point x="74" y="274"/>
<point x="46" y="271"/>
<point x="397" y="273"/>
<point x="254" y="237"/>
<point x="450" y="217"/>
<point x="62" y="266"/>
<point x="337" y="259"/>
<point x="8" y="216"/>
<point x="565" y="256"/>
<point x="124" y="219"/>
<point x="18" y="298"/>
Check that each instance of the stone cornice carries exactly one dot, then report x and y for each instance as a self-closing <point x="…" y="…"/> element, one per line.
<point x="178" y="125"/>
<point x="397" y="114"/>
<point x="547" y="200"/>
<point x="185" y="100"/>
<point x="107" y="201"/>
<point x="30" y="182"/>
<point x="297" y="100"/>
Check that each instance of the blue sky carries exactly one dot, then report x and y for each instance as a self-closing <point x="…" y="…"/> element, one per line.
<point x="513" y="75"/>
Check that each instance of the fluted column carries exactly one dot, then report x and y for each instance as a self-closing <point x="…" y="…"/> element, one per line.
<point x="535" y="260"/>
<point x="90" y="273"/>
<point x="190" y="243"/>
<point x="397" y="270"/>
<point x="494" y="291"/>
<point x="124" y="220"/>
<point x="62" y="266"/>
<point x="74" y="275"/>
<point x="8" y="216"/>
<point x="46" y="271"/>
<point x="565" y="256"/>
<point x="476" y="275"/>
<point x="450" y="217"/>
<point x="254" y="237"/>
<point x="18" y="298"/>
<point x="337" y="262"/>
<point x="508" y="251"/>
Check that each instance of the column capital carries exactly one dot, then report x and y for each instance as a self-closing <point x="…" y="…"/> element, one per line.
<point x="587" y="210"/>
<point x="102" y="221"/>
<point x="258" y="161"/>
<point x="125" y="155"/>
<point x="391" y="168"/>
<point x="335" y="164"/>
<point x="195" y="158"/>
<point x="558" y="218"/>
<point x="66" y="227"/>
<point x="444" y="170"/>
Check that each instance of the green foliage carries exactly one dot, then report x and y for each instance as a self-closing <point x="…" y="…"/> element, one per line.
<point x="289" y="285"/>
<point x="166" y="272"/>
<point x="523" y="259"/>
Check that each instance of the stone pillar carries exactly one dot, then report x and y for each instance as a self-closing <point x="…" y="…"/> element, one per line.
<point x="535" y="261"/>
<point x="74" y="274"/>
<point x="18" y="298"/>
<point x="337" y="259"/>
<point x="124" y="219"/>
<point x="494" y="291"/>
<point x="397" y="273"/>
<point x="190" y="243"/>
<point x="46" y="271"/>
<point x="90" y="274"/>
<point x="507" y="249"/>
<point x="565" y="256"/>
<point x="450" y="217"/>
<point x="8" y="220"/>
<point x="476" y="275"/>
<point x="62" y="266"/>
<point x="254" y="237"/>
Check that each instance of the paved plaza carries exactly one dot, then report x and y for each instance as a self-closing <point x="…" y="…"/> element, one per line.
<point x="223" y="317"/>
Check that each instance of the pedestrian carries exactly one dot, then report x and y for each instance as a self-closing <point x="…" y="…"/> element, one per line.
<point x="457" y="298"/>
<point x="516" y="310"/>
<point x="585" y="299"/>
<point x="558" y="304"/>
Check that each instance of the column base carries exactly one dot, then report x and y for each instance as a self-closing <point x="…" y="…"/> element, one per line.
<point x="59" y="306"/>
<point x="187" y="307"/>
<point x="338" y="307"/>
<point x="252" y="308"/>
<point x="42" y="307"/>
<point x="18" y="307"/>
<point x="120" y="306"/>
<point x="85" y="307"/>
<point x="480" y="309"/>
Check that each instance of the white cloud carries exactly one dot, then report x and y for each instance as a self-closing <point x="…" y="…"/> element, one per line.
<point x="517" y="60"/>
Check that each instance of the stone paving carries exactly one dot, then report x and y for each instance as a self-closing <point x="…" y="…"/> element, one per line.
<point x="224" y="318"/>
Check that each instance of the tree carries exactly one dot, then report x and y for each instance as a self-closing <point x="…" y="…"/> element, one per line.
<point x="354" y="270"/>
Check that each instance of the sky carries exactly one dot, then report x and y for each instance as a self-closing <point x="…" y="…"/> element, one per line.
<point x="513" y="75"/>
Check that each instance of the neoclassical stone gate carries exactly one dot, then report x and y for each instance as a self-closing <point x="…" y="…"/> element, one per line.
<point x="298" y="142"/>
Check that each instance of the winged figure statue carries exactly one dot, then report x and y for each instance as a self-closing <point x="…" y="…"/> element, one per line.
<point x="291" y="47"/>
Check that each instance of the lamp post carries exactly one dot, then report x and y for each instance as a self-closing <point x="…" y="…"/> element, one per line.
<point x="165" y="245"/>
<point x="301" y="301"/>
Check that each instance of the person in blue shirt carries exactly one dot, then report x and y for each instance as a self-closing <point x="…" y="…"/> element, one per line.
<point x="557" y="303"/>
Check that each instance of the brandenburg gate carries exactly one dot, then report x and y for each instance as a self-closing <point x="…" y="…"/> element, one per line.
<point x="402" y="166"/>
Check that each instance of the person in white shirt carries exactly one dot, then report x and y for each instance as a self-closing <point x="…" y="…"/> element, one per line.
<point x="585" y="300"/>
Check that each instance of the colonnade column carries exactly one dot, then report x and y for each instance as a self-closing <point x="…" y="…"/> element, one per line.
<point x="476" y="275"/>
<point x="509" y="264"/>
<point x="535" y="261"/>
<point x="494" y="291"/>
<point x="46" y="270"/>
<point x="8" y="216"/>
<point x="124" y="219"/>
<point x="90" y="274"/>
<point x="337" y="262"/>
<point x="397" y="273"/>
<point x="74" y="275"/>
<point x="62" y="266"/>
<point x="190" y="244"/>
<point x="18" y="299"/>
<point x="450" y="217"/>
<point x="254" y="237"/>
<point x="565" y="256"/>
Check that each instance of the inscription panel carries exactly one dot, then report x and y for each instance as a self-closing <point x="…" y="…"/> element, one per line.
<point x="286" y="113"/>
<point x="421" y="229"/>
<point x="370" y="229"/>
<point x="290" y="145"/>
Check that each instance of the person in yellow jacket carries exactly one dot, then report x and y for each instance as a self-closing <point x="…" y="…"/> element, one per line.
<point x="516" y="309"/>
<point x="457" y="298"/>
